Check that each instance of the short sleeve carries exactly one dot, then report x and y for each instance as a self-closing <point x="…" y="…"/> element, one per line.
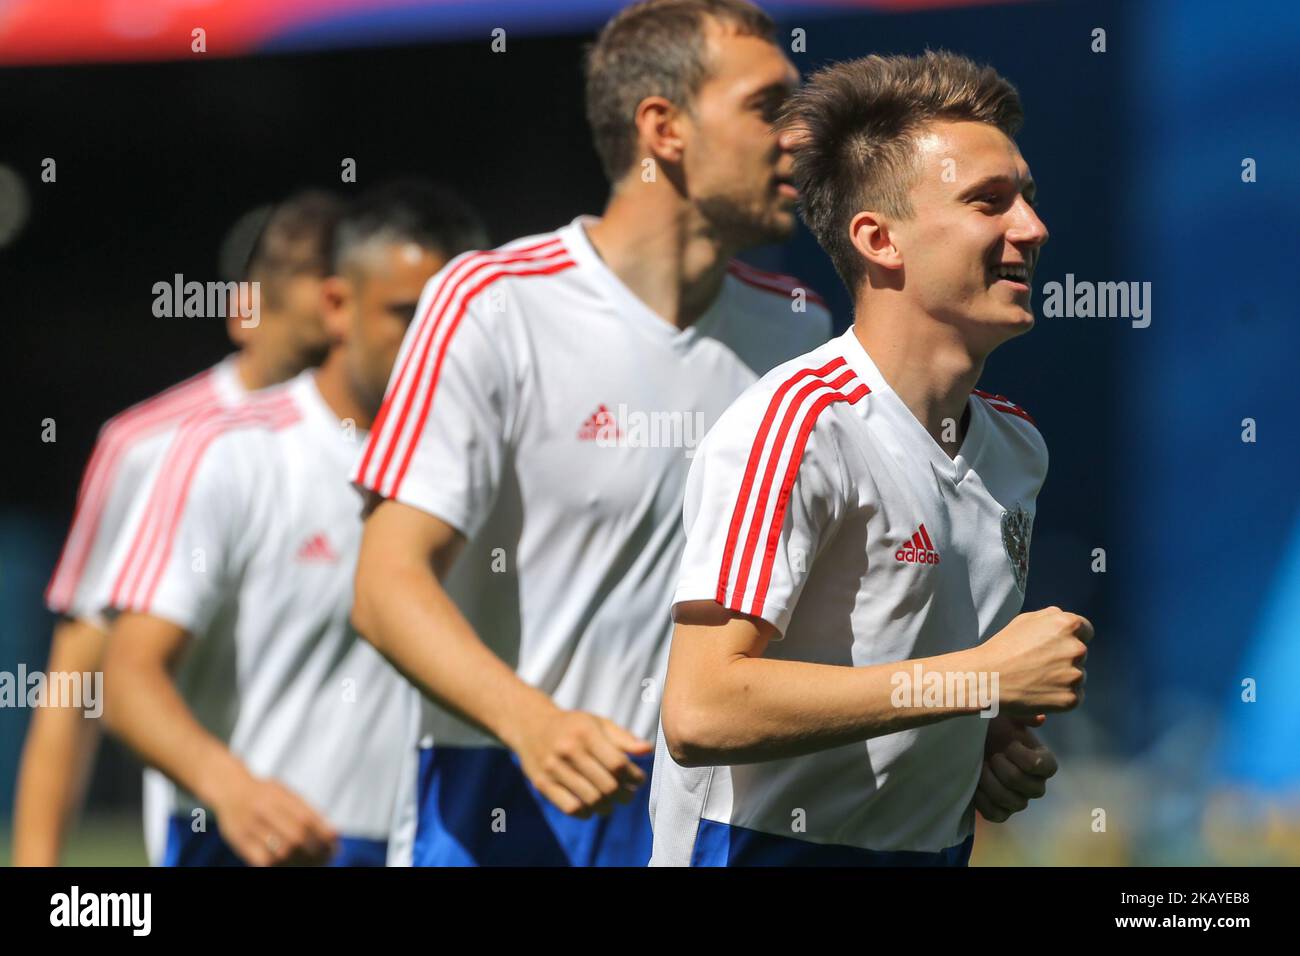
<point x="442" y="433"/>
<point x="176" y="551"/>
<point x="112" y="481"/>
<point x="760" y="502"/>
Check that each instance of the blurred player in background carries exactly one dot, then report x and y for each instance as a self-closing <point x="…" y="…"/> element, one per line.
<point x="231" y="665"/>
<point x="289" y="261"/>
<point x="527" y="468"/>
<point x="862" y="506"/>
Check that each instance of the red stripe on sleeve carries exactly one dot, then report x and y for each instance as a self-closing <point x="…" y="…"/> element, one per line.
<point x="432" y="386"/>
<point x="750" y="550"/>
<point x="138" y="422"/>
<point x="142" y="572"/>
<point x="402" y="391"/>
<point x="751" y="469"/>
<point x="787" y="486"/>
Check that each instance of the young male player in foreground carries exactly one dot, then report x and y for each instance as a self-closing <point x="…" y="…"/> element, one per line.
<point x="534" y="443"/>
<point x="232" y="666"/>
<point x="288" y="263"/>
<point x="861" y="517"/>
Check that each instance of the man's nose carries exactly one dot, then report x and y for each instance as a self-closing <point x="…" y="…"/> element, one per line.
<point x="1028" y="228"/>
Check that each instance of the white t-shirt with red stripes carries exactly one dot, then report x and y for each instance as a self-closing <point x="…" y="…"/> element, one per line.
<point x="822" y="505"/>
<point x="546" y="412"/>
<point x="247" y="539"/>
<point x="126" y="452"/>
<point x="127" y="449"/>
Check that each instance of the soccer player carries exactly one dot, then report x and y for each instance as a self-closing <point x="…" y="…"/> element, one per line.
<point x="529" y="460"/>
<point x="858" y="522"/>
<point x="231" y="665"/>
<point x="288" y="261"/>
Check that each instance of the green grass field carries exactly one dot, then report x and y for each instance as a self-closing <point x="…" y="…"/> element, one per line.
<point x="99" y="841"/>
<point x="1056" y="834"/>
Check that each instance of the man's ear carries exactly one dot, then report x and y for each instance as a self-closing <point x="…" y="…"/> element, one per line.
<point x="337" y="295"/>
<point x="659" y="129"/>
<point x="871" y="235"/>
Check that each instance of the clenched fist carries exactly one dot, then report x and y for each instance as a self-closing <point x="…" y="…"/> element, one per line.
<point x="1039" y="660"/>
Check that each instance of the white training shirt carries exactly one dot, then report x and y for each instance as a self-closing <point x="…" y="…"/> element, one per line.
<point x="821" y="504"/>
<point x="127" y="450"/>
<point x="543" y="410"/>
<point x="248" y="540"/>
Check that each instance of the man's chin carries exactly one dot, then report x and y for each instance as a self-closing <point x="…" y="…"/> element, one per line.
<point x="743" y="228"/>
<point x="1015" y="314"/>
<point x="313" y="355"/>
<point x="779" y="228"/>
<point x="991" y="330"/>
<point x="1018" y="322"/>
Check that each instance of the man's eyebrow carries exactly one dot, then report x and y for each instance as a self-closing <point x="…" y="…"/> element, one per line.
<point x="404" y="308"/>
<point x="1027" y="185"/>
<point x="780" y="88"/>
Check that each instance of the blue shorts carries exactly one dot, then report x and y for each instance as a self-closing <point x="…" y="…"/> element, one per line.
<point x="187" y="848"/>
<point x="720" y="844"/>
<point x="476" y="808"/>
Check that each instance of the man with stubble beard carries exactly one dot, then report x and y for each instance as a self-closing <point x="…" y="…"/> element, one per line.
<point x="526" y="472"/>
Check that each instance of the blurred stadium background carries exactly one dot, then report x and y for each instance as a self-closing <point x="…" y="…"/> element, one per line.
<point x="1138" y="151"/>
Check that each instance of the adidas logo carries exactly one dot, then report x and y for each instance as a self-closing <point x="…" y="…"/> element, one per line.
<point x="920" y="550"/>
<point x="317" y="548"/>
<point x="599" y="424"/>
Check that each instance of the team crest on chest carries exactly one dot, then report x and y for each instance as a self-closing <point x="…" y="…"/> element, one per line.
<point x="1016" y="527"/>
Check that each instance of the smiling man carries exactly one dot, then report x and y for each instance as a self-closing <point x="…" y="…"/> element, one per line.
<point x="862" y="515"/>
<point x="520" y="558"/>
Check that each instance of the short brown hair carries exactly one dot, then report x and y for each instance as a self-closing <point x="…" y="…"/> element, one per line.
<point x="860" y="121"/>
<point x="296" y="238"/>
<point x="410" y="210"/>
<point x="653" y="48"/>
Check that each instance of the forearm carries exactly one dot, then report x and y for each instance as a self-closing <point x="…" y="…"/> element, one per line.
<point x="148" y="714"/>
<point x="57" y="756"/>
<point x="753" y="708"/>
<point x="404" y="612"/>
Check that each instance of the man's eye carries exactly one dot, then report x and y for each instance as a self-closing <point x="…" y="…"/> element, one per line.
<point x="770" y="106"/>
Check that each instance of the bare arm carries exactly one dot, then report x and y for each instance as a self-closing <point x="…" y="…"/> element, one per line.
<point x="58" y="755"/>
<point x="401" y="608"/>
<point x="726" y="704"/>
<point x="261" y="820"/>
<point x="578" y="760"/>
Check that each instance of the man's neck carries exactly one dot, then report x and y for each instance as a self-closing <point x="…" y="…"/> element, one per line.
<point x="925" y="362"/>
<point x="660" y="249"/>
<point x="256" y="371"/>
<point x="335" y="387"/>
<point x="249" y="371"/>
